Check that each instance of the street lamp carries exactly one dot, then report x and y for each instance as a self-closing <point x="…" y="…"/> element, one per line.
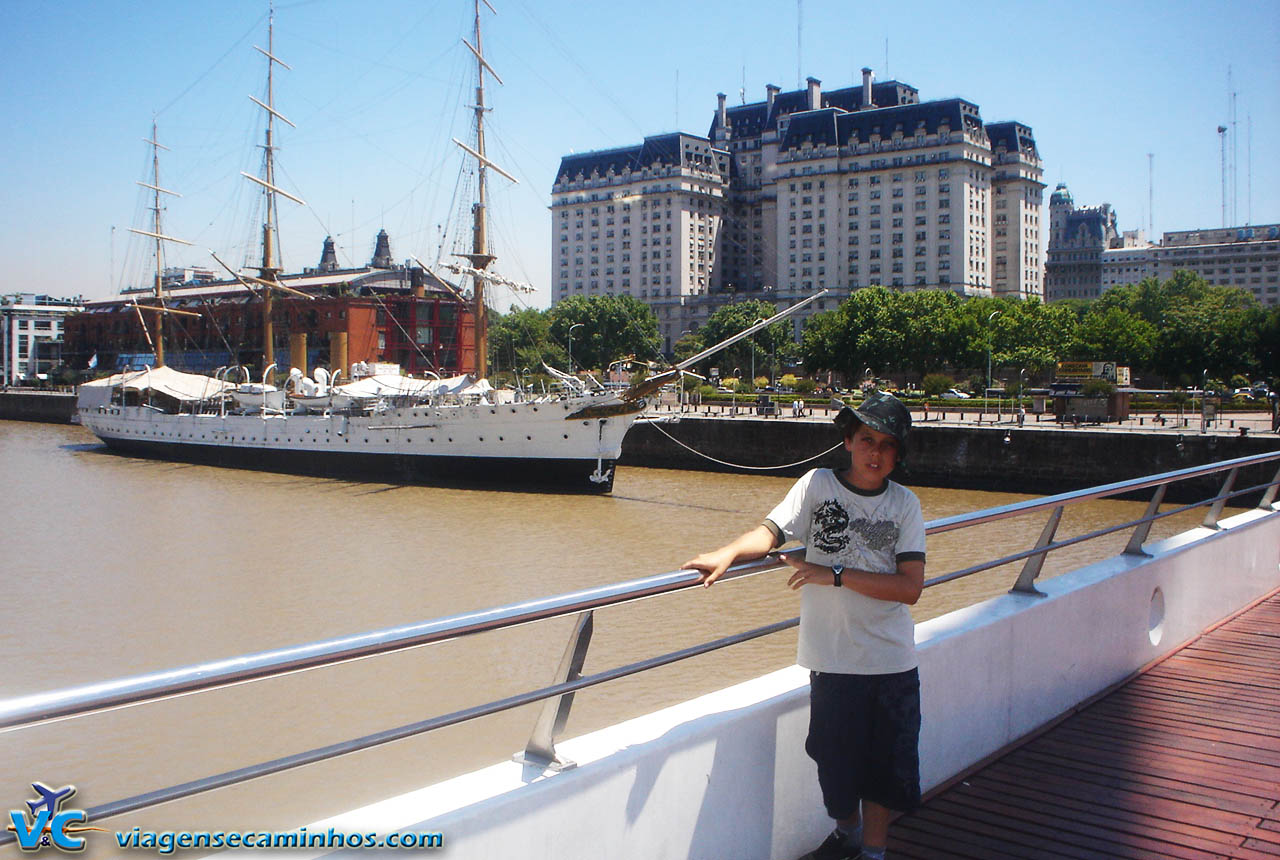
<point x="571" y="328"/>
<point x="1204" y="405"/>
<point x="753" y="354"/>
<point x="1022" y="389"/>
<point x="986" y="393"/>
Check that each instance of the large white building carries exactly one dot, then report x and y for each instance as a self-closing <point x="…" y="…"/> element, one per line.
<point x="1129" y="263"/>
<point x="1245" y="257"/>
<point x="643" y="221"/>
<point x="803" y="191"/>
<point x="31" y="334"/>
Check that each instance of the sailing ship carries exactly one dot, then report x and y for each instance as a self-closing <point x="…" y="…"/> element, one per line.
<point x="383" y="425"/>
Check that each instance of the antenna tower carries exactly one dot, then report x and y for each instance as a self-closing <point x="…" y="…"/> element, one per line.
<point x="1151" y="195"/>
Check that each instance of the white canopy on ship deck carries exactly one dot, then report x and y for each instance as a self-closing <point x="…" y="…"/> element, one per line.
<point x="185" y="387"/>
<point x="387" y="385"/>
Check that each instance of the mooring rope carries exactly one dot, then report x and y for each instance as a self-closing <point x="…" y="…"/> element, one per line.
<point x="658" y="427"/>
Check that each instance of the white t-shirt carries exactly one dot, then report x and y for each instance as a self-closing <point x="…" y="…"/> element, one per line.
<point x="841" y="630"/>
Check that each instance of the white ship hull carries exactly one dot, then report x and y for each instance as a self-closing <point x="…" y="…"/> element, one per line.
<point x="514" y="443"/>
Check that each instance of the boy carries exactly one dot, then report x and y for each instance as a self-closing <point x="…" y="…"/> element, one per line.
<point x="863" y="566"/>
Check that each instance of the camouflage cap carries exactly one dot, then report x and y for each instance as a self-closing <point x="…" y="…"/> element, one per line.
<point x="879" y="411"/>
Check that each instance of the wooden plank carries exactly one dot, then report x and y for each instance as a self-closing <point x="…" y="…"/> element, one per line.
<point x="1154" y="760"/>
<point x="1121" y="804"/>
<point x="1098" y="823"/>
<point x="1182" y="762"/>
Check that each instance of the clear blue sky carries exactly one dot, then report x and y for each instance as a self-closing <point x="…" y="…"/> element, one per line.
<point x="376" y="92"/>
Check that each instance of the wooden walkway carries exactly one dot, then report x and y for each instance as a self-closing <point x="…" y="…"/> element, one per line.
<point x="1183" y="761"/>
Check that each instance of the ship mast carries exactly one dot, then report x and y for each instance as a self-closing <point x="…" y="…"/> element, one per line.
<point x="480" y="257"/>
<point x="158" y="235"/>
<point x="155" y="222"/>
<point x="269" y="271"/>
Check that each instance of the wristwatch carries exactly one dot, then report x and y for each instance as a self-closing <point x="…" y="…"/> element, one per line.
<point x="838" y="569"/>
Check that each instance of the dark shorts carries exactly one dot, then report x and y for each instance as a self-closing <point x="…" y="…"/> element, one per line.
<point x="864" y="734"/>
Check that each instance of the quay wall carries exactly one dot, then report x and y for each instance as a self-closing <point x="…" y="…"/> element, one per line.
<point x="51" y="407"/>
<point x="1036" y="459"/>
<point x="725" y="774"/>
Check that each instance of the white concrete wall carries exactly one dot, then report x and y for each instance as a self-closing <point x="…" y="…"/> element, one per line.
<point x="725" y="775"/>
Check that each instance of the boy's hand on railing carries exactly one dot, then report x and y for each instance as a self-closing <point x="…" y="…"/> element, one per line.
<point x="712" y="564"/>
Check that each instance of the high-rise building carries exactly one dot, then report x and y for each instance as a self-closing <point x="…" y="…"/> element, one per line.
<point x="805" y="191"/>
<point x="31" y="334"/>
<point x="1129" y="263"/>
<point x="645" y="221"/>
<point x="1077" y="240"/>
<point x="1245" y="257"/>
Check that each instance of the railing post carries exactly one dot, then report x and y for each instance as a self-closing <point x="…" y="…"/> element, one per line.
<point x="540" y="751"/>
<point x="1269" y="497"/>
<point x="1026" y="583"/>
<point x="1144" y="528"/>
<point x="1211" y="518"/>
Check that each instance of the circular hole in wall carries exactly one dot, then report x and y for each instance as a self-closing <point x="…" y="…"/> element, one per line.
<point x="1155" y="617"/>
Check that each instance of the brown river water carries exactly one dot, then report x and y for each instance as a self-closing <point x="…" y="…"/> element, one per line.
<point x="114" y="566"/>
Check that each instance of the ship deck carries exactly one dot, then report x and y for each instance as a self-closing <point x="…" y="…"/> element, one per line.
<point x="1180" y="761"/>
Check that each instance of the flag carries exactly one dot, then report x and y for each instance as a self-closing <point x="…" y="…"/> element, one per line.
<point x="93" y="362"/>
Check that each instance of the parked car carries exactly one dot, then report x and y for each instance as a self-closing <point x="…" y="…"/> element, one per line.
<point x="954" y="394"/>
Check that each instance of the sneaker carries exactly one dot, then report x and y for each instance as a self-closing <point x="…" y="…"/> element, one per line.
<point x="836" y="847"/>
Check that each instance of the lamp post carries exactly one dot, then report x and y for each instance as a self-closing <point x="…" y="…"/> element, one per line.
<point x="753" y="354"/>
<point x="1021" y="393"/>
<point x="1204" y="407"/>
<point x="571" y="328"/>
<point x="986" y="391"/>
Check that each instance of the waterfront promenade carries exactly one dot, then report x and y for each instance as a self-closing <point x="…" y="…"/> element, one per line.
<point x="971" y="413"/>
<point x="1181" y="761"/>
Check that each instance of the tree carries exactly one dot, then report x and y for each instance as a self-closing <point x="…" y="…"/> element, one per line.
<point x="613" y="327"/>
<point x="739" y="316"/>
<point x="938" y="332"/>
<point x="1112" y="334"/>
<point x="1034" y="336"/>
<point x="522" y="338"/>
<point x="936" y="383"/>
<point x="869" y="329"/>
<point x="687" y="346"/>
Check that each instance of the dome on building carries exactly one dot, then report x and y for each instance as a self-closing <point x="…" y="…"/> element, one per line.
<point x="1061" y="196"/>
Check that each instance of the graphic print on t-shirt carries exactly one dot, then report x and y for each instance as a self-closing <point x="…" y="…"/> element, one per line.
<point x="832" y="528"/>
<point x="877" y="535"/>
<point x="830" y="521"/>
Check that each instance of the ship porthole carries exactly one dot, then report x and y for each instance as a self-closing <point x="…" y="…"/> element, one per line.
<point x="1155" y="617"/>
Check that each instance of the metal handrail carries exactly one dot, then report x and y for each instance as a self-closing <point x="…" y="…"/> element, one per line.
<point x="40" y="708"/>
